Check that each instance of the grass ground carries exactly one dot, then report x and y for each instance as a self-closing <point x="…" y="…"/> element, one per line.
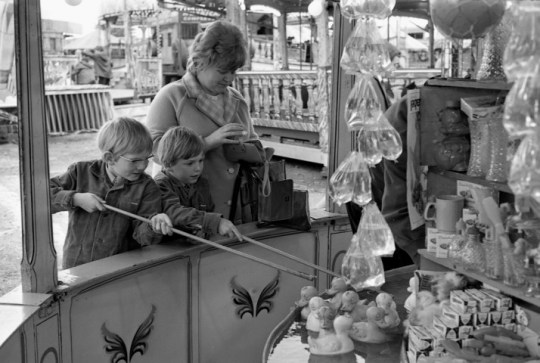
<point x="63" y="151"/>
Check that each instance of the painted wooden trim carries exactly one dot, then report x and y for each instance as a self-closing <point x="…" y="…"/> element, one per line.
<point x="38" y="266"/>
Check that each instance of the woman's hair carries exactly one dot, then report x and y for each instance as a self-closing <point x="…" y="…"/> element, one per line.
<point x="124" y="135"/>
<point x="222" y="45"/>
<point x="179" y="143"/>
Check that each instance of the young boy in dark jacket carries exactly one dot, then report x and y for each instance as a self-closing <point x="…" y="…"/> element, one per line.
<point x="185" y="194"/>
<point x="119" y="180"/>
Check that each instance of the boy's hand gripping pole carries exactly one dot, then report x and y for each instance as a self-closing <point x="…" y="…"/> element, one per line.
<point x="218" y="246"/>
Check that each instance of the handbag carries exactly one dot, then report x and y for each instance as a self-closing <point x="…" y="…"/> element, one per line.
<point x="301" y="218"/>
<point x="251" y="152"/>
<point x="280" y="204"/>
<point x="263" y="193"/>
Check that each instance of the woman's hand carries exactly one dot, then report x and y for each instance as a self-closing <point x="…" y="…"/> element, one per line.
<point x="226" y="134"/>
<point x="88" y="201"/>
<point x="161" y="223"/>
<point x="227" y="228"/>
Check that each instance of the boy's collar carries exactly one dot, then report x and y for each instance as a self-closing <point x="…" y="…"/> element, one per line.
<point x="175" y="179"/>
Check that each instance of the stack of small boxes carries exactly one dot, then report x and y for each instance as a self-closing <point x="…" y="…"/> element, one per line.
<point x="466" y="311"/>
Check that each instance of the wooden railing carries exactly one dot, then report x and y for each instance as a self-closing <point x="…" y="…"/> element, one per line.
<point x="76" y="108"/>
<point x="288" y="106"/>
<point x="281" y="99"/>
<point x="262" y="48"/>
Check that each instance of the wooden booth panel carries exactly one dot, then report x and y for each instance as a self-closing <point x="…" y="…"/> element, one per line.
<point x="339" y="245"/>
<point x="13" y="349"/>
<point x="147" y="311"/>
<point x="237" y="295"/>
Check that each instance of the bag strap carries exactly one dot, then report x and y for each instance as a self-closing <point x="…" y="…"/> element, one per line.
<point x="266" y="187"/>
<point x="236" y="193"/>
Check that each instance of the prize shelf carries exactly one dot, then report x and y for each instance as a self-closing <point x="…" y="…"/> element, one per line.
<point x="517" y="292"/>
<point x="502" y="187"/>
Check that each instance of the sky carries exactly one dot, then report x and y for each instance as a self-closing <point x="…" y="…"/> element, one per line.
<point x="86" y="13"/>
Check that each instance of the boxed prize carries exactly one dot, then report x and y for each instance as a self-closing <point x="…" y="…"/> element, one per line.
<point x="420" y="338"/>
<point x="457" y="318"/>
<point x="463" y="302"/>
<point x="502" y="302"/>
<point x="484" y="302"/>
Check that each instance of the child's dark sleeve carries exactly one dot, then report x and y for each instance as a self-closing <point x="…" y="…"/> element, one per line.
<point x="186" y="217"/>
<point x="62" y="188"/>
<point x="149" y="206"/>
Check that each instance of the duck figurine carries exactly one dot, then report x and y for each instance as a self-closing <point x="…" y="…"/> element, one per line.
<point x="333" y="337"/>
<point x="426" y="308"/>
<point x="352" y="306"/>
<point x="370" y="331"/>
<point x="410" y="302"/>
<point x="342" y="326"/>
<point x="312" y="323"/>
<point x="336" y="290"/>
<point x="391" y="318"/>
<point x="306" y="293"/>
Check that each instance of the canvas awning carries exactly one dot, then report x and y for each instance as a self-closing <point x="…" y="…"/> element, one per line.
<point x="299" y="33"/>
<point x="406" y="42"/>
<point x="89" y="41"/>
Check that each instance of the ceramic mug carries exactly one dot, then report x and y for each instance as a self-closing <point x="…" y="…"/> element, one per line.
<point x="448" y="211"/>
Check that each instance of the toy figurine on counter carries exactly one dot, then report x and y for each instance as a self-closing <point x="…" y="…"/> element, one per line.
<point x="313" y="323"/>
<point x="336" y="290"/>
<point x="333" y="335"/>
<point x="352" y="306"/>
<point x="371" y="331"/>
<point x="306" y="294"/>
<point x="391" y="318"/>
<point x="426" y="308"/>
<point x="410" y="302"/>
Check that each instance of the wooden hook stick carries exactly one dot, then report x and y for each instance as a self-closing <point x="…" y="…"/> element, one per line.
<point x="218" y="246"/>
<point x="288" y="255"/>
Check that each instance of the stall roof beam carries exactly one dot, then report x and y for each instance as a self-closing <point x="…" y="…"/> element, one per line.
<point x="412" y="8"/>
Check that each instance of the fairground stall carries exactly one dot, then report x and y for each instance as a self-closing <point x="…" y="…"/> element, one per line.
<point x="467" y="152"/>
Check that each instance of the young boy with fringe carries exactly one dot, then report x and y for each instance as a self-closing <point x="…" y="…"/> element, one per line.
<point x="185" y="194"/>
<point x="119" y="180"/>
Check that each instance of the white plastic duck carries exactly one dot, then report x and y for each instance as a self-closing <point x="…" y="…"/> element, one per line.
<point x="313" y="324"/>
<point x="410" y="302"/>
<point x="352" y="306"/>
<point x="426" y="308"/>
<point x="333" y="337"/>
<point x="306" y="293"/>
<point x="342" y="327"/>
<point x="386" y="302"/>
<point x="370" y="331"/>
<point x="337" y="288"/>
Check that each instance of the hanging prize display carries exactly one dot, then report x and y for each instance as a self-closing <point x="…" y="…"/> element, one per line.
<point x="363" y="107"/>
<point x="351" y="181"/>
<point x="368" y="144"/>
<point x="453" y="17"/>
<point x="524" y="176"/>
<point x="522" y="106"/>
<point x="354" y="9"/>
<point x="361" y="268"/>
<point x="523" y="49"/>
<point x="366" y="51"/>
<point x="374" y="232"/>
<point x="388" y="138"/>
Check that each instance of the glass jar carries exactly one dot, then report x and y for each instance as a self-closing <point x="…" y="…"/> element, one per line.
<point x="479" y="159"/>
<point x="473" y="256"/>
<point x="523" y="47"/>
<point x="498" y="148"/>
<point x="493" y="253"/>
